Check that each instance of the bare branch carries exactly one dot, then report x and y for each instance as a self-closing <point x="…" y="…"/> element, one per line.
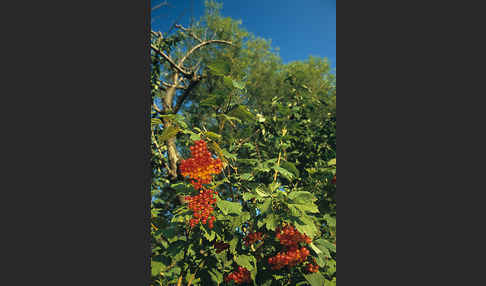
<point x="157" y="108"/>
<point x="180" y="99"/>
<point x="198" y="46"/>
<point x="173" y="85"/>
<point x="165" y="3"/>
<point x="178" y="68"/>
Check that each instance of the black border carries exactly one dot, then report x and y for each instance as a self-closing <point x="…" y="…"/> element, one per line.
<point x="75" y="106"/>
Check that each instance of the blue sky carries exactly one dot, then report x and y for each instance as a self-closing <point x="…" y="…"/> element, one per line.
<point x="299" y="28"/>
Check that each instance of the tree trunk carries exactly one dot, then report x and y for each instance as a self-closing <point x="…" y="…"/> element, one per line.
<point x="173" y="155"/>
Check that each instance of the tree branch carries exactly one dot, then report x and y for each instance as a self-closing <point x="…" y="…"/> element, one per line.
<point x="173" y="64"/>
<point x="180" y="99"/>
<point x="189" y="31"/>
<point x="165" y="3"/>
<point x="198" y="46"/>
<point x="173" y="85"/>
<point x="157" y="108"/>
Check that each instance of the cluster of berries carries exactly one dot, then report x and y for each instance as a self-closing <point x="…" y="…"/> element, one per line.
<point x="292" y="255"/>
<point x="334" y="179"/>
<point x="199" y="168"/>
<point x="253" y="237"/>
<point x="289" y="258"/>
<point x="242" y="275"/>
<point x="289" y="236"/>
<point x="202" y="206"/>
<point x="311" y="268"/>
<point x="201" y="165"/>
<point x="220" y="246"/>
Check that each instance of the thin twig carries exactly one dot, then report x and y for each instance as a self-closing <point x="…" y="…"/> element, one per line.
<point x="179" y="282"/>
<point x="173" y="85"/>
<point x="160" y="153"/>
<point x="190" y="32"/>
<point x="278" y="164"/>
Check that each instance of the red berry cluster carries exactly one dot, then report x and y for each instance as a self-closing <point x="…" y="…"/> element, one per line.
<point x="220" y="246"/>
<point x="201" y="165"/>
<point x="334" y="179"/>
<point x="202" y="206"/>
<point x="289" y="258"/>
<point x="242" y="275"/>
<point x="289" y="236"/>
<point x="293" y="254"/>
<point x="253" y="237"/>
<point x="311" y="268"/>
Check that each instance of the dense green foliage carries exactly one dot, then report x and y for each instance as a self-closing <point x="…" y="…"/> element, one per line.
<point x="274" y="127"/>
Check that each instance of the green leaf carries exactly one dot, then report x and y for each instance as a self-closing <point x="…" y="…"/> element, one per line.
<point x="330" y="220"/>
<point x="228" y="81"/>
<point x="219" y="68"/>
<point x="246" y="261"/>
<point x="261" y="192"/>
<point x="227" y="154"/>
<point x="209" y="235"/>
<point x="229" y="207"/>
<point x="271" y="222"/>
<point x="310" y="207"/>
<point x="315" y="279"/>
<point x="302" y="197"/>
<point x="216" y="276"/>
<point x="181" y="188"/>
<point x="325" y="246"/>
<point x="330" y="283"/>
<point x="238" y="85"/>
<point x="212" y="135"/>
<point x="155" y="121"/>
<point x="321" y="260"/>
<point x="273" y="186"/>
<point x="308" y="229"/>
<point x="248" y="196"/>
<point x="229" y="118"/>
<point x="237" y="221"/>
<point x="294" y="211"/>
<point x="157" y="267"/>
<point x="210" y="100"/>
<point x="290" y="167"/>
<point x="266" y="207"/>
<point x="286" y="174"/>
<point x="260" y="118"/>
<point x="242" y="112"/>
<point x="246" y="177"/>
<point x="315" y="248"/>
<point x="168" y="133"/>
<point x="233" y="243"/>
<point x="176" y="250"/>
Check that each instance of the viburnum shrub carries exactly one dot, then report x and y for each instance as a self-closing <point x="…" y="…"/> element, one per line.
<point x="242" y="275"/>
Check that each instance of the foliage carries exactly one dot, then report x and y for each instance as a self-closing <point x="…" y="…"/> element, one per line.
<point x="272" y="126"/>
